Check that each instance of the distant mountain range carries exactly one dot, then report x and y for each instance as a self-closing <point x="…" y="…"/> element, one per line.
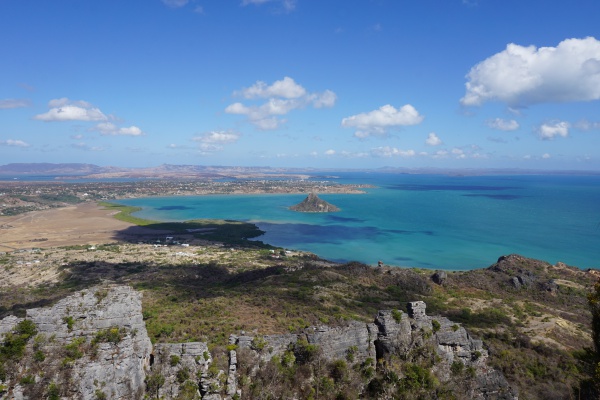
<point x="91" y="171"/>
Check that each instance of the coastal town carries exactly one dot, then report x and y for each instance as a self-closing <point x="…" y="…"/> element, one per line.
<point x="18" y="197"/>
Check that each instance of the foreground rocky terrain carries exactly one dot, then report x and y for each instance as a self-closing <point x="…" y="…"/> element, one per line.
<point x="94" y="345"/>
<point x="298" y="327"/>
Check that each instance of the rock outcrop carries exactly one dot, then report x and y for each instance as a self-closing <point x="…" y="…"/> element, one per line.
<point x="94" y="345"/>
<point x="89" y="345"/>
<point x="313" y="203"/>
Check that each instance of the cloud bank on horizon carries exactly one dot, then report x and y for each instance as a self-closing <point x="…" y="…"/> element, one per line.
<point x="299" y="83"/>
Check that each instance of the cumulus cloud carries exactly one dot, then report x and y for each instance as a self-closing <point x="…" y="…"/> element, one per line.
<point x="520" y="76"/>
<point x="551" y="130"/>
<point x="545" y="156"/>
<point x="65" y="110"/>
<point x="433" y="140"/>
<point x="378" y="122"/>
<point x="282" y="97"/>
<point x="329" y="152"/>
<point x="221" y="137"/>
<point x="175" y="3"/>
<point x="286" y="88"/>
<point x="387" y="151"/>
<point x="210" y="142"/>
<point x="14" y="103"/>
<point x="110" y="129"/>
<point x="14" y="143"/>
<point x="503" y="124"/>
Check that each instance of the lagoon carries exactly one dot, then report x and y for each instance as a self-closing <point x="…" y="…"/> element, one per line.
<point x="429" y="221"/>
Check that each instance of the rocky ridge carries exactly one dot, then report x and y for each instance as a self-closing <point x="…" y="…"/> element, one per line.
<point x="95" y="345"/>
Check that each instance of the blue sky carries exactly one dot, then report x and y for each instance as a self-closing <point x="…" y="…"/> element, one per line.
<point x="301" y="83"/>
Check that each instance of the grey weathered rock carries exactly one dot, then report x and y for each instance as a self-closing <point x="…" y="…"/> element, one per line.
<point x="416" y="309"/>
<point x="178" y="361"/>
<point x="114" y="367"/>
<point x="336" y="343"/>
<point x="118" y="367"/>
<point x="439" y="277"/>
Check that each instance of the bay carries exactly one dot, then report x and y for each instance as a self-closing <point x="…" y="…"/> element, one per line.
<point x="429" y="221"/>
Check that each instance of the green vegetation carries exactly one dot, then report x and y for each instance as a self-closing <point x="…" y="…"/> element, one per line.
<point x="69" y="321"/>
<point x="13" y="345"/>
<point x="227" y="231"/>
<point x="110" y="335"/>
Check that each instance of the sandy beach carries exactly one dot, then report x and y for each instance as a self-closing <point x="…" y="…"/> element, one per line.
<point x="85" y="223"/>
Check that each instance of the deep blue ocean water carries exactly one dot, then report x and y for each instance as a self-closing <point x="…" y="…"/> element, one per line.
<point x="430" y="221"/>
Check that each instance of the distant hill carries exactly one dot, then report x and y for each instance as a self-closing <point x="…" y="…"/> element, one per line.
<point x="51" y="169"/>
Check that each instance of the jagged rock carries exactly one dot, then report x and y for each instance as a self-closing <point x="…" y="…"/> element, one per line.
<point x="439" y="277"/>
<point x="178" y="361"/>
<point x="416" y="309"/>
<point x="114" y="367"/>
<point x="335" y="343"/>
<point x="314" y="204"/>
<point x="551" y="286"/>
<point x="8" y="324"/>
<point x="118" y="367"/>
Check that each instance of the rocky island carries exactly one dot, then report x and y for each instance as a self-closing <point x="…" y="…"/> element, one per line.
<point x="313" y="203"/>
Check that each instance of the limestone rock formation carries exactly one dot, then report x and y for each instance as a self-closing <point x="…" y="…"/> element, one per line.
<point x="94" y="344"/>
<point x="313" y="203"/>
<point x="90" y="343"/>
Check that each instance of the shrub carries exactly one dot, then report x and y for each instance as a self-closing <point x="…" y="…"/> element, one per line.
<point x="304" y="351"/>
<point x="53" y="392"/>
<point x="183" y="375"/>
<point x="258" y="343"/>
<point x="435" y="325"/>
<point x="397" y="315"/>
<point x="457" y="368"/>
<point x="174" y="360"/>
<point x="27" y="380"/>
<point x="69" y="321"/>
<point x="39" y="356"/>
<point x="154" y="382"/>
<point x="110" y="335"/>
<point x="100" y="395"/>
<point x="73" y="350"/>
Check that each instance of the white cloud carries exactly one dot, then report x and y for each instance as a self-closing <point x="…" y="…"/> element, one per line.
<point x="520" y="76"/>
<point x="503" y="124"/>
<point x="282" y="96"/>
<point x="14" y="143"/>
<point x="551" y="130"/>
<point x="175" y="3"/>
<point x="585" y="125"/>
<point x="545" y="156"/>
<point x="86" y="147"/>
<point x="378" y="122"/>
<point x="65" y="110"/>
<point x="330" y="152"/>
<point x="221" y="137"/>
<point x="110" y="129"/>
<point x="288" y="5"/>
<point x="433" y="140"/>
<point x="286" y="88"/>
<point x="387" y="151"/>
<point x="14" y="103"/>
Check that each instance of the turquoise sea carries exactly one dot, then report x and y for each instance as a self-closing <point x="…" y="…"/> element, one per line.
<point x="431" y="221"/>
